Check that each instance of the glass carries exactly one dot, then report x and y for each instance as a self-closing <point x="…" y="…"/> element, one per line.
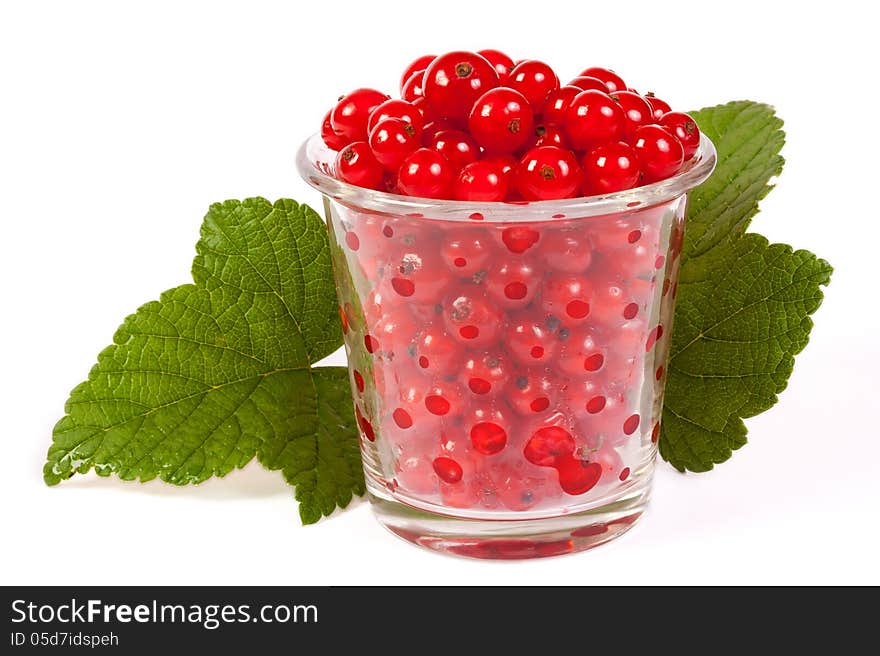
<point x="507" y="359"/>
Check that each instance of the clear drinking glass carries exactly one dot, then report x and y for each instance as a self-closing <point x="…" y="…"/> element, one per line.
<point x="506" y="359"/>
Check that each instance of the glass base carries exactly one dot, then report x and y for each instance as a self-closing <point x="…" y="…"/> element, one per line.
<point x="510" y="539"/>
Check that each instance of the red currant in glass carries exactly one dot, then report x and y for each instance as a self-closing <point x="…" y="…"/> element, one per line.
<point x="502" y="63"/>
<point x="577" y="476"/>
<point x="518" y="238"/>
<point x="501" y="120"/>
<point x="548" y="172"/>
<point x="636" y="111"/>
<point x="529" y="392"/>
<point x="466" y="251"/>
<point x="533" y="79"/>
<point x="557" y="104"/>
<point x="425" y="173"/>
<point x="483" y="181"/>
<point x="488" y="428"/>
<point x="547" y="135"/>
<point x="334" y="141"/>
<point x="444" y="399"/>
<point x="350" y="115"/>
<point x="660" y="153"/>
<point x="685" y="130"/>
<point x="548" y="446"/>
<point x="454" y="81"/>
<point x="566" y="297"/>
<point x="611" y="167"/>
<point x="395" y="333"/>
<point x="356" y="164"/>
<point x="419" y="64"/>
<point x="530" y="342"/>
<point x="593" y="117"/>
<point x="392" y="140"/>
<point x="456" y="146"/>
<point x="585" y="83"/>
<point x="418" y="276"/>
<point x="512" y="284"/>
<point x="396" y="108"/>
<point x="436" y="353"/>
<point x="567" y="250"/>
<point x="579" y="352"/>
<point x="658" y="107"/>
<point x="471" y="318"/>
<point x="485" y="374"/>
<point x="611" y="79"/>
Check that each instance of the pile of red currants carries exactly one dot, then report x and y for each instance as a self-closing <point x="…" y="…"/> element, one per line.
<point x="474" y="126"/>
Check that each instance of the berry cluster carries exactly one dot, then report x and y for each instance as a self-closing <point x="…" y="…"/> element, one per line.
<point x="475" y="126"/>
<point x="507" y="366"/>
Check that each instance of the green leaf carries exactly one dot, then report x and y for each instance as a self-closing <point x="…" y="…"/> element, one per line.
<point x="748" y="137"/>
<point x="213" y="373"/>
<point x="743" y="305"/>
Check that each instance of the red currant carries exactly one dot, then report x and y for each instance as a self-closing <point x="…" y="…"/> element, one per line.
<point x="658" y="107"/>
<point x="566" y="297"/>
<point x="419" y="64"/>
<point x="485" y="374"/>
<point x="350" y="115"/>
<point x="418" y="275"/>
<point x="502" y="63"/>
<point x="519" y="239"/>
<point x="593" y="117"/>
<point x="395" y="333"/>
<point x="530" y="342"/>
<point x="548" y="446"/>
<point x="466" y="251"/>
<point x="334" y="141"/>
<point x="458" y="147"/>
<point x="454" y="81"/>
<point x="433" y="127"/>
<point x="567" y="250"/>
<point x="392" y="140"/>
<point x="448" y="469"/>
<point x="506" y="164"/>
<point x="501" y="120"/>
<point x="636" y="112"/>
<point x="436" y="353"/>
<point x="577" y="476"/>
<point x="548" y="172"/>
<point x="413" y="88"/>
<point x="512" y="284"/>
<point x="481" y="181"/>
<point x="547" y="135"/>
<point x="488" y="428"/>
<point x="611" y="167"/>
<point x="356" y="164"/>
<point x="660" y="153"/>
<point x="472" y="319"/>
<point x="444" y="399"/>
<point x="556" y="105"/>
<point x="529" y="393"/>
<point x="611" y="79"/>
<point x="425" y="173"/>
<point x="685" y="130"/>
<point x="396" y="108"/>
<point x="585" y="83"/>
<point x="579" y="353"/>
<point x="533" y="79"/>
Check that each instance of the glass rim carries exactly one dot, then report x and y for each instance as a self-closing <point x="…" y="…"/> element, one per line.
<point x="314" y="158"/>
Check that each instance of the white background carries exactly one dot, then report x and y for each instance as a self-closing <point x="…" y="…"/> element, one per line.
<point x="120" y="123"/>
